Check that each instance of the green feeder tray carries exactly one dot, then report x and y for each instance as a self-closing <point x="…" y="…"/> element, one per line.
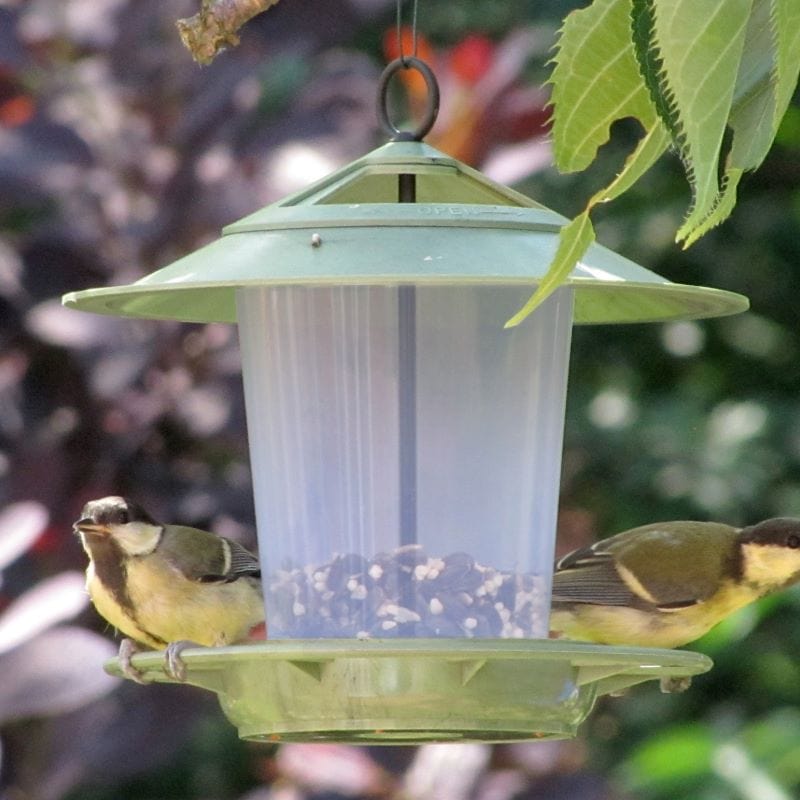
<point x="416" y="690"/>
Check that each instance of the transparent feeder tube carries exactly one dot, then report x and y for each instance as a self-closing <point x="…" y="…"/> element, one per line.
<point x="323" y="368"/>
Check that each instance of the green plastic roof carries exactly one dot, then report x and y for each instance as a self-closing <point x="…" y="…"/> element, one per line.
<point x="350" y="229"/>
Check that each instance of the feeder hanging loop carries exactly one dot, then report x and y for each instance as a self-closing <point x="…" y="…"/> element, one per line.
<point x="431" y="111"/>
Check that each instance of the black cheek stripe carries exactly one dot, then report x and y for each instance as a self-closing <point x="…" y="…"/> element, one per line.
<point x="109" y="567"/>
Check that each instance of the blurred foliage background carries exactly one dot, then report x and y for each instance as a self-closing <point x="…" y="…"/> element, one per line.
<point x="117" y="155"/>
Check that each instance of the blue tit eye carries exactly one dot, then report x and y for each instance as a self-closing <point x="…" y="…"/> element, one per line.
<point x="793" y="541"/>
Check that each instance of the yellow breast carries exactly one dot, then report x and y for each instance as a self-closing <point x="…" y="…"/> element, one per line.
<point x="619" y="625"/>
<point x="168" y="607"/>
<point x="108" y="608"/>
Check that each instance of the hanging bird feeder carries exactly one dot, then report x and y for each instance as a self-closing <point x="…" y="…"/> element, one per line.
<point x="405" y="450"/>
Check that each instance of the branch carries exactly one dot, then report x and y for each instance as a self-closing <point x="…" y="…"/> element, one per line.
<point x="216" y="25"/>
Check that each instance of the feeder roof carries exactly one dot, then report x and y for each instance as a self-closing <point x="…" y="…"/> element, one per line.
<point x="350" y="229"/>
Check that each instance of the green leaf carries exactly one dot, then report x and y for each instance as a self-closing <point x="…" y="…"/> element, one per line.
<point x="649" y="149"/>
<point x="786" y="29"/>
<point x="774" y="740"/>
<point x="595" y="68"/>
<point x="755" y="116"/>
<point x="596" y="81"/>
<point x="686" y="70"/>
<point x="677" y="756"/>
<point x="573" y="241"/>
<point x="751" y="117"/>
<point x="700" y="47"/>
<point x="723" y="208"/>
<point x="649" y="61"/>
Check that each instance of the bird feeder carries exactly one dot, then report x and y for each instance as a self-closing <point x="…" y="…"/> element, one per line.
<point x="405" y="450"/>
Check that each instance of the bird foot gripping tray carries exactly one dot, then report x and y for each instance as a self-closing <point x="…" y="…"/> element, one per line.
<point x="416" y="690"/>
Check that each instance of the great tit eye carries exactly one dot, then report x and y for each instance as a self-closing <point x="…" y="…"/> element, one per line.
<point x="119" y="516"/>
<point x="793" y="540"/>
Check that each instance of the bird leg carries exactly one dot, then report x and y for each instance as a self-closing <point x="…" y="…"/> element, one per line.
<point x="127" y="649"/>
<point x="173" y="663"/>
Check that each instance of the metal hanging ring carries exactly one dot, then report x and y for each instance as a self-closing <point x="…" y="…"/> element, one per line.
<point x="431" y="111"/>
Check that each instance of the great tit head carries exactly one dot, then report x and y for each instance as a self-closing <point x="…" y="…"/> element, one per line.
<point x="121" y="520"/>
<point x="771" y="552"/>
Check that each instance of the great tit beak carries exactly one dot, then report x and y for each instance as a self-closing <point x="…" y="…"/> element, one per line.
<point x="88" y="525"/>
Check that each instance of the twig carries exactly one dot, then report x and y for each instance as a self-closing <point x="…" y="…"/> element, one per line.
<point x="216" y="26"/>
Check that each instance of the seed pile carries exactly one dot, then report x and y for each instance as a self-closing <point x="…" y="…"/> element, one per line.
<point x="402" y="594"/>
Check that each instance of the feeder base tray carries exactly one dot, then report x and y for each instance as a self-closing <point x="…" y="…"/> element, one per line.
<point x="409" y="691"/>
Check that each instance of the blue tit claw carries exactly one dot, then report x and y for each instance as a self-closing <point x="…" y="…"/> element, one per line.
<point x="173" y="662"/>
<point x="127" y="649"/>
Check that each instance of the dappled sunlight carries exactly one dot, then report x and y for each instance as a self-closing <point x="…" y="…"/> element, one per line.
<point x="732" y="424"/>
<point x="683" y="339"/>
<point x="296" y="164"/>
<point x="612" y="408"/>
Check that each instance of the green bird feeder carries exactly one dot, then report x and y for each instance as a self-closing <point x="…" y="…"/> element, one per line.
<point x="405" y="450"/>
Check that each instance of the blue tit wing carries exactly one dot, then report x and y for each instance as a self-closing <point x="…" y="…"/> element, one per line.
<point x="590" y="575"/>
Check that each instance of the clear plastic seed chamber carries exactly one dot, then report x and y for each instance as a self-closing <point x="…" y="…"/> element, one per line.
<point x="405" y="450"/>
<point x="399" y="432"/>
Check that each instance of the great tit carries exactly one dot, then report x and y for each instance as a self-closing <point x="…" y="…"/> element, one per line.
<point x="167" y="586"/>
<point x="666" y="584"/>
